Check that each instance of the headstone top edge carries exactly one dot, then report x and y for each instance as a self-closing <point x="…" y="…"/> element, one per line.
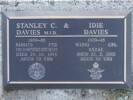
<point x="66" y="13"/>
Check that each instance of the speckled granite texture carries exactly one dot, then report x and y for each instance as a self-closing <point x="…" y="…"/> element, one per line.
<point x="64" y="94"/>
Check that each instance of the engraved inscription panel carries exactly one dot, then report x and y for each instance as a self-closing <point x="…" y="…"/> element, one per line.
<point x="66" y="50"/>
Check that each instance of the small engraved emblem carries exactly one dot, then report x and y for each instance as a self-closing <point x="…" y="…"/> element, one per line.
<point x="96" y="72"/>
<point x="36" y="71"/>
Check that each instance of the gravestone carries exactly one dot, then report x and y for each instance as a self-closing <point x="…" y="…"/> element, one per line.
<point x="66" y="49"/>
